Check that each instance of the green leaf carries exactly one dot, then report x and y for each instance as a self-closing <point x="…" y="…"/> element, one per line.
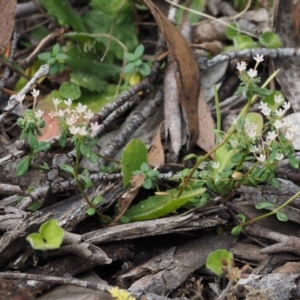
<point x="50" y="236"/>
<point x="133" y="155"/>
<point x="243" y="42"/>
<point x="44" y="55"/>
<point x="91" y="211"/>
<point x="44" y="146"/>
<point x="34" y="206"/>
<point x="87" y="181"/>
<point x="257" y="119"/>
<point x="22" y="166"/>
<point x="144" y="69"/>
<point x="70" y="90"/>
<point x="265" y="205"/>
<point x="129" y="67"/>
<point x="263" y="92"/>
<point x="214" y="260"/>
<point x="55" y="49"/>
<point x="89" y="81"/>
<point x="124" y="220"/>
<point x="294" y="162"/>
<point x="270" y="40"/>
<point x="196" y="5"/>
<point x="282" y="216"/>
<point x="161" y="205"/>
<point x="147" y="184"/>
<point x="237" y="157"/>
<point x="32" y="141"/>
<point x="61" y="57"/>
<point x="190" y="156"/>
<point x="274" y="182"/>
<point x="51" y="60"/>
<point x="138" y="52"/>
<point x="236" y="230"/>
<point x="144" y="167"/>
<point x="242" y="217"/>
<point x="232" y="30"/>
<point x="98" y="200"/>
<point x="54" y="69"/>
<point x="65" y="15"/>
<point x="130" y="57"/>
<point x="68" y="169"/>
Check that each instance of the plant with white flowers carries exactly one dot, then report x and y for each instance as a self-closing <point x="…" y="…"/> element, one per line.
<point x="249" y="153"/>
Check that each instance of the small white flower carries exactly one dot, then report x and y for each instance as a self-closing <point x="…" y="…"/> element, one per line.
<point x="202" y="166"/>
<point x="215" y="164"/>
<point x="286" y="105"/>
<point x="52" y="114"/>
<point x="60" y="113"/>
<point x="278" y="99"/>
<point x="279" y="112"/>
<point x="266" y="111"/>
<point x="241" y="66"/>
<point x="252" y="73"/>
<point x="56" y="102"/>
<point x="39" y="113"/>
<point x="88" y="114"/>
<point x="71" y="120"/>
<point x="253" y="148"/>
<point x="251" y="133"/>
<point x="68" y="102"/>
<point x="287" y="123"/>
<point x="35" y="93"/>
<point x="73" y="129"/>
<point x="293" y="128"/>
<point x="258" y="58"/>
<point x="94" y="126"/>
<point x="81" y="108"/>
<point x="263" y="105"/>
<point x="271" y="136"/>
<point x="278" y="124"/>
<point x="289" y="135"/>
<point x="279" y="156"/>
<point x="82" y="131"/>
<point x="261" y="158"/>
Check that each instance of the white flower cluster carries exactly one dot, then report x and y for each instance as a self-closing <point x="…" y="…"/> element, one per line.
<point x="76" y="119"/>
<point x="242" y="66"/>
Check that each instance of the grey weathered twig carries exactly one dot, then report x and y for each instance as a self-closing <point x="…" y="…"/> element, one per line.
<point x="13" y="100"/>
<point x="205" y="63"/>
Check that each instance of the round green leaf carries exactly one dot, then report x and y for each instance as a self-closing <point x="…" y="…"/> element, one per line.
<point x="129" y="67"/>
<point x="91" y="211"/>
<point x="98" y="200"/>
<point x="243" y="42"/>
<point x="139" y="50"/>
<point x="282" y="216"/>
<point x="270" y="40"/>
<point x="22" y="166"/>
<point x="61" y="57"/>
<point x="134" y="154"/>
<point x="236" y="230"/>
<point x="265" y="205"/>
<point x="214" y="262"/>
<point x="51" y="61"/>
<point x="50" y="237"/>
<point x="70" y="90"/>
<point x="44" y="55"/>
<point x="144" y="69"/>
<point x="130" y="57"/>
<point x="232" y="30"/>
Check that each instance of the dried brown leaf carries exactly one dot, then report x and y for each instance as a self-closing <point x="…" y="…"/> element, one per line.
<point x="156" y="155"/>
<point x="188" y="75"/>
<point x="206" y="139"/>
<point x="7" y="22"/>
<point x="125" y="201"/>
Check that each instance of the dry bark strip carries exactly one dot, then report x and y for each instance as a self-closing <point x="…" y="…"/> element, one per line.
<point x="169" y="270"/>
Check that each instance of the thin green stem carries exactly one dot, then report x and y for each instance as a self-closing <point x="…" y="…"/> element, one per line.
<point x="273" y="212"/>
<point x="218" y="114"/>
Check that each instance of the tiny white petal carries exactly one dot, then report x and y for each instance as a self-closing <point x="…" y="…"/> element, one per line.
<point x="35" y="93"/>
<point x="94" y="126"/>
<point x="278" y="99"/>
<point x="39" y="113"/>
<point x="271" y="135"/>
<point x="286" y="105"/>
<point x="252" y="73"/>
<point x="261" y="158"/>
<point x="279" y="156"/>
<point x="289" y="135"/>
<point x="279" y="112"/>
<point x="278" y="124"/>
<point x="241" y="66"/>
<point x="258" y="58"/>
<point x="215" y="165"/>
